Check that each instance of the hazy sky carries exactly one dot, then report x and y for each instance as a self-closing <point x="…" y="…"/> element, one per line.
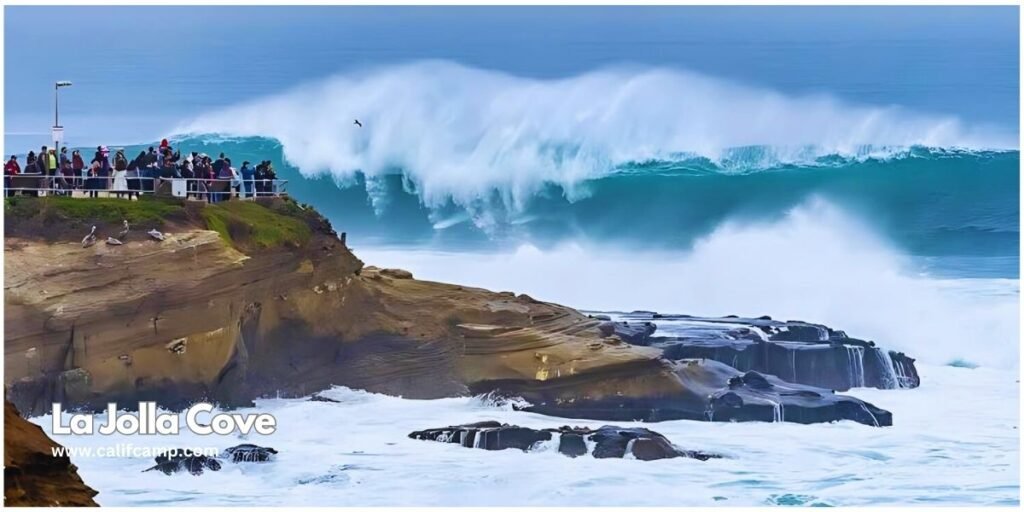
<point x="138" y="70"/>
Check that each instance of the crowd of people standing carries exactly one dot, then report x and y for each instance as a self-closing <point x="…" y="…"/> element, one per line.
<point x="205" y="177"/>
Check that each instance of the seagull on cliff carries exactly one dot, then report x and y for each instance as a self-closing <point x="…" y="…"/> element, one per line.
<point x="357" y="123"/>
<point x="90" y="238"/>
<point x="156" y="235"/>
<point x="124" y="232"/>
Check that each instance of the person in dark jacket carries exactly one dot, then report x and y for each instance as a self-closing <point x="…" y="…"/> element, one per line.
<point x="64" y="162"/>
<point x="136" y="170"/>
<point x="271" y="176"/>
<point x="218" y="164"/>
<point x="40" y="165"/>
<point x="167" y="170"/>
<point x="65" y="167"/>
<point x="78" y="168"/>
<point x="94" y="182"/>
<point x="31" y="168"/>
<point x="224" y="178"/>
<point x="43" y="160"/>
<point x="248" y="175"/>
<point x="210" y="176"/>
<point x="100" y="170"/>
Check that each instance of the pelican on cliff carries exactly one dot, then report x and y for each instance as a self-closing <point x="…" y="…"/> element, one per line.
<point x="90" y="238"/>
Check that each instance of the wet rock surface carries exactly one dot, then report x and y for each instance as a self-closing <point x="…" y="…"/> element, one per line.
<point x="605" y="442"/>
<point x="196" y="463"/>
<point x="186" y="461"/>
<point x="317" y="397"/>
<point x="635" y="333"/>
<point x="799" y="352"/>
<point x="714" y="391"/>
<point x="249" y="453"/>
<point x="753" y="396"/>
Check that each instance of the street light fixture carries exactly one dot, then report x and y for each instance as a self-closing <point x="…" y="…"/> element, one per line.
<point x="58" y="130"/>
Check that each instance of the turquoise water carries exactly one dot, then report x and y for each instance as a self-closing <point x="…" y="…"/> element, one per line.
<point x="956" y="212"/>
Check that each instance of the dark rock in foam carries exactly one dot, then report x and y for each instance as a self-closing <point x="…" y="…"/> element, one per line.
<point x="195" y="463"/>
<point x="184" y="460"/>
<point x="607" y="441"/>
<point x="249" y="453"/>
<point x="798" y="352"/>
<point x="714" y="391"/>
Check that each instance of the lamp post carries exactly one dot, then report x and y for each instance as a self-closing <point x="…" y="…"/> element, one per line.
<point x="58" y="130"/>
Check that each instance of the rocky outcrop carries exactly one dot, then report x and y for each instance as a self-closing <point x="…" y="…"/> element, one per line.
<point x="798" y="352"/>
<point x="705" y="390"/>
<point x="227" y="311"/>
<point x="605" y="442"/>
<point x="753" y="397"/>
<point x="194" y="463"/>
<point x="185" y="460"/>
<point x="249" y="453"/>
<point x="636" y="333"/>
<point x="33" y="475"/>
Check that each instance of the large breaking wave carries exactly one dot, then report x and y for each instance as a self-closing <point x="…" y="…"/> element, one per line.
<point x="462" y="134"/>
<point x="628" y="188"/>
<point x="955" y="208"/>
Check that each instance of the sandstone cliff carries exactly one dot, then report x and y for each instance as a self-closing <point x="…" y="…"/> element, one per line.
<point x="244" y="299"/>
<point x="33" y="476"/>
<point x="218" y="315"/>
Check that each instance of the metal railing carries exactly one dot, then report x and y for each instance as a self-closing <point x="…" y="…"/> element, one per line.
<point x="210" y="189"/>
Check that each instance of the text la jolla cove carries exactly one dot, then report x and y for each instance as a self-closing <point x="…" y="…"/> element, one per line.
<point x="148" y="421"/>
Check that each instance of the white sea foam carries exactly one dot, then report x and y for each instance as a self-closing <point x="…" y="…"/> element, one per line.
<point x="954" y="442"/>
<point x="816" y="263"/>
<point x="464" y="134"/>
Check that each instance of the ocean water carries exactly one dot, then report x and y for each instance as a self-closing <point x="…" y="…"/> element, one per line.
<point x="858" y="167"/>
<point x="952" y="211"/>
<point x="954" y="441"/>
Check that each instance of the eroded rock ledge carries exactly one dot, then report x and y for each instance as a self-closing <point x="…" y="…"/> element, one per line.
<point x="799" y="352"/>
<point x="250" y="299"/>
<point x="708" y="391"/>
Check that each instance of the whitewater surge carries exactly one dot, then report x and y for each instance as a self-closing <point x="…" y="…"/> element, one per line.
<point x="816" y="263"/>
<point x="466" y="134"/>
<point x="954" y="442"/>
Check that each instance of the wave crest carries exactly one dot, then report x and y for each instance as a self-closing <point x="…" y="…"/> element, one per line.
<point x="462" y="134"/>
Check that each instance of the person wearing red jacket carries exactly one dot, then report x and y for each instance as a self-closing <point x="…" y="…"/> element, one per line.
<point x="11" y="168"/>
